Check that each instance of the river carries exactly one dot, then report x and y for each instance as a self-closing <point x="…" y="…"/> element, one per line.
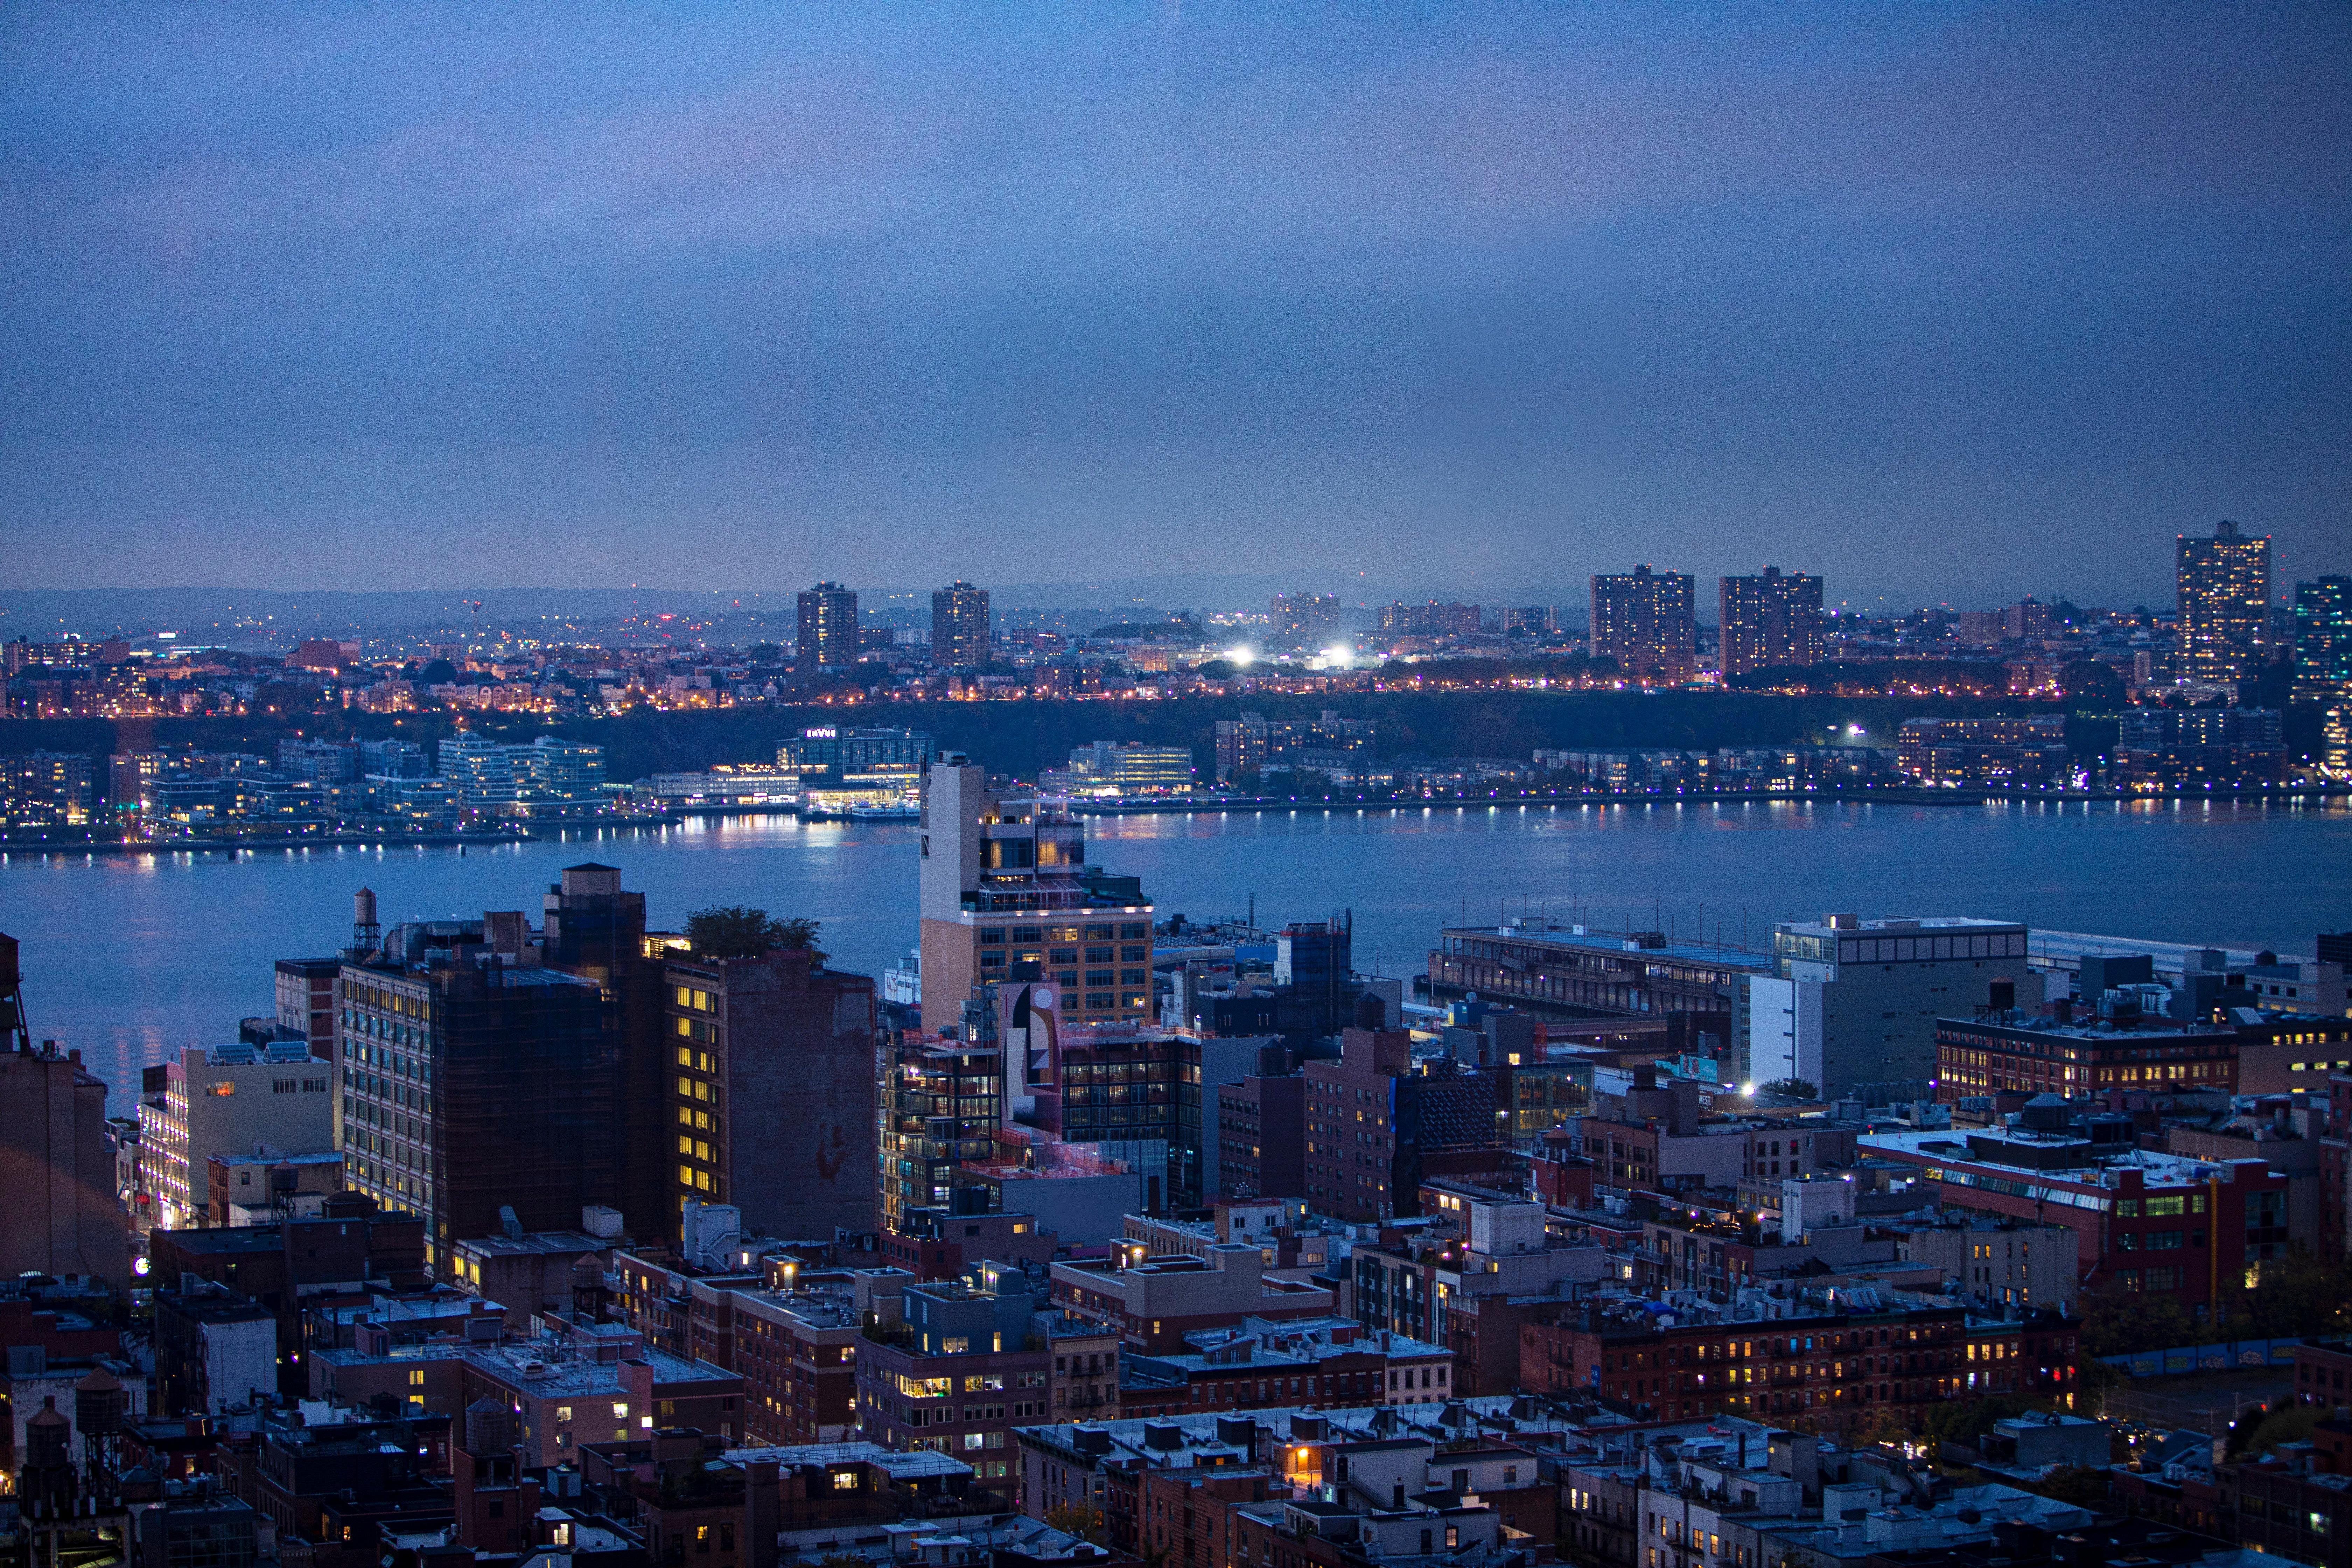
<point x="129" y="956"/>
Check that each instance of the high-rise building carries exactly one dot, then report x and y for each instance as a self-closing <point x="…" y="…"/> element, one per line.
<point x="959" y="632"/>
<point x="772" y="1090"/>
<point x="1647" y="622"/>
<point x="1430" y="620"/>
<point x="1007" y="895"/>
<point x="2225" y="592"/>
<point x="1770" y="622"/>
<point x="1305" y="620"/>
<point x="940" y="1103"/>
<point x="828" y="627"/>
<point x="487" y="1067"/>
<point x="2322" y="638"/>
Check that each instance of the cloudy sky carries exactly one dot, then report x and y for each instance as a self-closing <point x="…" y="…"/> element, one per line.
<point x="1947" y="302"/>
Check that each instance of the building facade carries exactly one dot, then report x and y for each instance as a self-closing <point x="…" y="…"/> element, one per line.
<point x="224" y="1100"/>
<point x="1770" y="622"/>
<point x="828" y="627"/>
<point x="62" y="1216"/>
<point x="1856" y="1001"/>
<point x="1648" y="623"/>
<point x="1305" y="620"/>
<point x="2225" y="600"/>
<point x="960" y="627"/>
<point x="1007" y="898"/>
<point x="772" y="1090"/>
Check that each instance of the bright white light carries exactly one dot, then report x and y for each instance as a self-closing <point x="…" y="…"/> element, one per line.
<point x="1746" y="1088"/>
<point x="1241" y="654"/>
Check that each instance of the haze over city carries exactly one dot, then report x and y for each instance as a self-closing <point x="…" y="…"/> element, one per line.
<point x="1965" y="298"/>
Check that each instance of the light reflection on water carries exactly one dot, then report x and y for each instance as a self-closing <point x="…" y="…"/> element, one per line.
<point x="131" y="956"/>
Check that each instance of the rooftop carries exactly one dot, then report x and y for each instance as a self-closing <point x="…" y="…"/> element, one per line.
<point x="1650" y="945"/>
<point x="542" y="1367"/>
<point x="917" y="1465"/>
<point x="2100" y="1164"/>
<point x="1896" y="925"/>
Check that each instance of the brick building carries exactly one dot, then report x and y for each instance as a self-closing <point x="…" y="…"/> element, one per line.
<point x="1262" y="1137"/>
<point x="958" y="1372"/>
<point x="1836" y="1365"/>
<point x="1373" y="1116"/>
<point x="770" y="1070"/>
<point x="2142" y="1221"/>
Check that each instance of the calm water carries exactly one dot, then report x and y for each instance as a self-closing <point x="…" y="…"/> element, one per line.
<point x="129" y="957"/>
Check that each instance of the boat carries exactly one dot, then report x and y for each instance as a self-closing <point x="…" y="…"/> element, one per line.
<point x="900" y="812"/>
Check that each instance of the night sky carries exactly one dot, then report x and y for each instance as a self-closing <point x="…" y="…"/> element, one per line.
<point x="1943" y="302"/>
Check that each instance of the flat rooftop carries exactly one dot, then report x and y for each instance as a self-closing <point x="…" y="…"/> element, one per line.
<point x="1617" y="944"/>
<point x="2155" y="1169"/>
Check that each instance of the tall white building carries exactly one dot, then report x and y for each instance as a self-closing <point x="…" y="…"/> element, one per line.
<point x="1855" y="1002"/>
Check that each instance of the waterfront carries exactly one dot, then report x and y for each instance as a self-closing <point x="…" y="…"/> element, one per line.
<point x="128" y="957"/>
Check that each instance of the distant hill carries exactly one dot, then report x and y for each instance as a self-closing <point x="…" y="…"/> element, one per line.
<point x="94" y="612"/>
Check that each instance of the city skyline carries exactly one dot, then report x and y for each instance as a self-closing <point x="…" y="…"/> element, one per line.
<point x="1922" y="300"/>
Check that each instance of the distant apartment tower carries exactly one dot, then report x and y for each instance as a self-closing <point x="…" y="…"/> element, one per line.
<point x="46" y="789"/>
<point x="959" y="632"/>
<point x="1647" y="622"/>
<point x="2322" y="663"/>
<point x="828" y="627"/>
<point x="2322" y="638"/>
<point x="1006" y="895"/>
<point x="1432" y="619"/>
<point x="772" y="1090"/>
<point x="1770" y="622"/>
<point x="2225" y="591"/>
<point x="1305" y="620"/>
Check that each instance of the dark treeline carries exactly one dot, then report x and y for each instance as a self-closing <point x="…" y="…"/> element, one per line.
<point x="1021" y="736"/>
